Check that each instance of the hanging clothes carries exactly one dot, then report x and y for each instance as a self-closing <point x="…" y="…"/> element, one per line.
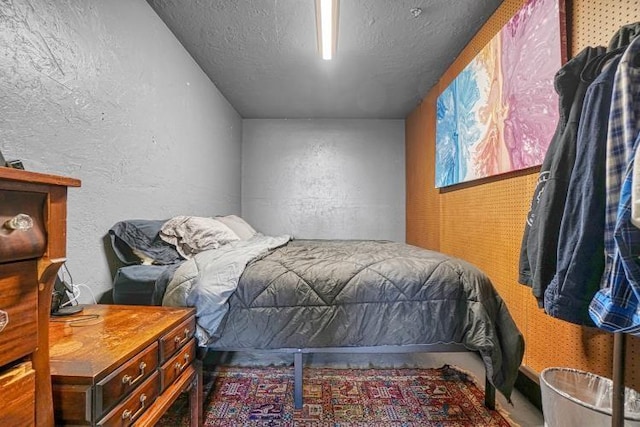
<point x="581" y="238"/>
<point x="623" y="128"/>
<point x="623" y="37"/>
<point x="615" y="306"/>
<point x="538" y="255"/>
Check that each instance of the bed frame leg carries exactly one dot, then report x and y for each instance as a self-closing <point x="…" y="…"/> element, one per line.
<point x="297" y="380"/>
<point x="201" y="353"/>
<point x="489" y="394"/>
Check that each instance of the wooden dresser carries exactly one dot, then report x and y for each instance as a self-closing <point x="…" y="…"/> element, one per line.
<point x="33" y="216"/>
<point x="118" y="365"/>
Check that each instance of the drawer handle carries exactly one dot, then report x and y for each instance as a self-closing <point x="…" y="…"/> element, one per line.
<point x="179" y="367"/>
<point x="179" y="341"/>
<point x="129" y="379"/>
<point x="132" y="416"/>
<point x="4" y="319"/>
<point x="20" y="222"/>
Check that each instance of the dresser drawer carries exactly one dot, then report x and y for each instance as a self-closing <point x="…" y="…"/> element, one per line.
<point x="72" y="403"/>
<point x="121" y="382"/>
<point x="18" y="394"/>
<point x="139" y="401"/>
<point x="17" y="244"/>
<point x="18" y="310"/>
<point x="176" y="339"/>
<point x="177" y="364"/>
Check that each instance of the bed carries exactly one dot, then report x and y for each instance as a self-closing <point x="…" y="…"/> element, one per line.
<point x="274" y="293"/>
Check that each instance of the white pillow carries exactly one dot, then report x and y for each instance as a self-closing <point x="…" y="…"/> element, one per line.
<point x="191" y="234"/>
<point x="238" y="225"/>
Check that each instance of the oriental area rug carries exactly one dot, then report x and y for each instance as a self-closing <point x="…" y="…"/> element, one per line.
<point x="241" y="396"/>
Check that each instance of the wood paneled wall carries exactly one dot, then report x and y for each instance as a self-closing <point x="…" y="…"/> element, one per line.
<point x="483" y="221"/>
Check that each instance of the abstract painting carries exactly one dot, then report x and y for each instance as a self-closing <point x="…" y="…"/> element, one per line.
<point x="499" y="114"/>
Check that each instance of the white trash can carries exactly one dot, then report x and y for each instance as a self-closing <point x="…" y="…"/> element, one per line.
<point x="573" y="398"/>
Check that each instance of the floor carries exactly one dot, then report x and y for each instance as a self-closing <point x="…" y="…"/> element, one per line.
<point x="521" y="413"/>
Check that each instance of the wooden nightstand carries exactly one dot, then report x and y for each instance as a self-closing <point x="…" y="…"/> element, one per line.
<point x="115" y="365"/>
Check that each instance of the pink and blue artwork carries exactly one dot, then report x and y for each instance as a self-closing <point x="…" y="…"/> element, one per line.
<point x="500" y="113"/>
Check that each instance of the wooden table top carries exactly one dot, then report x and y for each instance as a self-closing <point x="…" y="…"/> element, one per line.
<point x="87" y="344"/>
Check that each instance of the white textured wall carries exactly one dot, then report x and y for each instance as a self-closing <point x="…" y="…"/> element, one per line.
<point x="102" y="91"/>
<point x="325" y="178"/>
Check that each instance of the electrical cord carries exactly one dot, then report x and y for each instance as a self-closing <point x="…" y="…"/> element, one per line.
<point x="93" y="297"/>
<point x="74" y="295"/>
<point x="77" y="320"/>
<point x="63" y="269"/>
<point x="73" y="288"/>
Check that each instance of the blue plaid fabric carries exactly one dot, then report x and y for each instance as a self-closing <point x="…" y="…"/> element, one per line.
<point x="623" y="128"/>
<point x="616" y="306"/>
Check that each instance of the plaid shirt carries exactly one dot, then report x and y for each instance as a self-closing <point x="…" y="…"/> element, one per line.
<point x="623" y="128"/>
<point x="616" y="306"/>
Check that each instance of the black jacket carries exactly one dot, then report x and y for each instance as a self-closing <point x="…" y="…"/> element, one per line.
<point x="538" y="255"/>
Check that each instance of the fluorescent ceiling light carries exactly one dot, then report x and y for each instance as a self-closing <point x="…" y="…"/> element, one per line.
<point x="327" y="27"/>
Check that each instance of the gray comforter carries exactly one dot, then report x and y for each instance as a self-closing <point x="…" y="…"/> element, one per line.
<point x="207" y="280"/>
<point x="315" y="293"/>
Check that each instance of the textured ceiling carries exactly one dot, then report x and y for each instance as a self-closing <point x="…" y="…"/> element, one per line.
<point x="262" y="55"/>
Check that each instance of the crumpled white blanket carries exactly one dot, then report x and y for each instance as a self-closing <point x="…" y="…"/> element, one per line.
<point x="192" y="234"/>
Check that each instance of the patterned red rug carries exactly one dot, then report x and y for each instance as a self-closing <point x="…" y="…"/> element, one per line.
<point x="237" y="396"/>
